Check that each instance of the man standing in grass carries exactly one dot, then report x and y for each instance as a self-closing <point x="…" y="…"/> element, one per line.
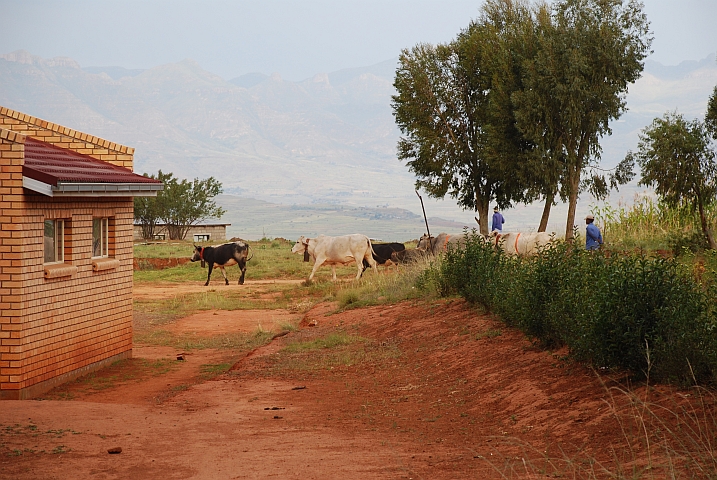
<point x="593" y="238"/>
<point x="497" y="221"/>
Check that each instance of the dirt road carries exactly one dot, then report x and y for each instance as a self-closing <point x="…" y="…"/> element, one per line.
<point x="416" y="390"/>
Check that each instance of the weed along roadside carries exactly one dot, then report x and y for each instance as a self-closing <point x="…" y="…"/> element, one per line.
<point x="407" y="374"/>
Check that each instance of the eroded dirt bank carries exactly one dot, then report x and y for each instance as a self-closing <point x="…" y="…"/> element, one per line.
<point x="415" y="390"/>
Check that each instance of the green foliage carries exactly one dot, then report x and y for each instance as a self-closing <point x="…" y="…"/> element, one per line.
<point x="186" y="203"/>
<point x="650" y="224"/>
<point x="148" y="210"/>
<point x="514" y="107"/>
<point x="588" y="52"/>
<point x="711" y="115"/>
<point x="179" y="205"/>
<point x="681" y="242"/>
<point x="440" y="108"/>
<point x="675" y="157"/>
<point x="629" y="311"/>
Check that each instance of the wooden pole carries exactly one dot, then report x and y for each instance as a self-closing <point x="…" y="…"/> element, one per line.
<point x="430" y="242"/>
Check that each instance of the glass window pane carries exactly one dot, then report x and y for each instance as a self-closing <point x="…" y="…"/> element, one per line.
<point x="49" y="240"/>
<point x="96" y="237"/>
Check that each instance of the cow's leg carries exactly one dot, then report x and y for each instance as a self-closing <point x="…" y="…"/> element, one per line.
<point x="333" y="271"/>
<point x="224" y="274"/>
<point x="209" y="274"/>
<point x="360" y="269"/>
<point x="319" y="261"/>
<point x="242" y="267"/>
<point x="372" y="263"/>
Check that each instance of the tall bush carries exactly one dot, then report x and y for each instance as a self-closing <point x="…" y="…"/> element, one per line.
<point x="627" y="311"/>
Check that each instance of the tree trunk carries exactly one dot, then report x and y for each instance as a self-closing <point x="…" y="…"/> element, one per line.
<point x="174" y="232"/>
<point x="574" y="179"/>
<point x="549" y="199"/>
<point x="483" y="220"/>
<point x="705" y="229"/>
<point x="148" y="231"/>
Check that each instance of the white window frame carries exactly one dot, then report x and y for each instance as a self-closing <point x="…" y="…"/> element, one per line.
<point x="104" y="237"/>
<point x="58" y="241"/>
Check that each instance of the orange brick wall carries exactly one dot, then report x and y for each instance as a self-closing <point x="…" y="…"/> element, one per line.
<point x="11" y="259"/>
<point x="52" y="329"/>
<point x="66" y="138"/>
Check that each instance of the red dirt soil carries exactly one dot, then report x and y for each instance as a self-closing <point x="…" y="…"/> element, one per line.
<point x="434" y="391"/>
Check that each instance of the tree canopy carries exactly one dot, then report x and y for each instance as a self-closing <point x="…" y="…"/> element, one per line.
<point x="513" y="109"/>
<point x="458" y="130"/>
<point x="675" y="157"/>
<point x="439" y="107"/>
<point x="588" y="52"/>
<point x="179" y="205"/>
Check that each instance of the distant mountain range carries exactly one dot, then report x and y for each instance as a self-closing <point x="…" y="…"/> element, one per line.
<point x="329" y="139"/>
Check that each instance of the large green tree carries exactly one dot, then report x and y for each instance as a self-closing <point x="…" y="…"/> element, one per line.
<point x="587" y="53"/>
<point x="440" y="107"/>
<point x="184" y="203"/>
<point x="675" y="157"/>
<point x="148" y="210"/>
<point x="457" y="133"/>
<point x="507" y="35"/>
<point x="181" y="204"/>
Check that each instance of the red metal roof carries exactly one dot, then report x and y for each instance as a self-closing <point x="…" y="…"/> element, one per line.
<point x="49" y="164"/>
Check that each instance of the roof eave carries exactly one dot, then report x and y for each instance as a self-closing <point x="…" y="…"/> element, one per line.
<point x="82" y="189"/>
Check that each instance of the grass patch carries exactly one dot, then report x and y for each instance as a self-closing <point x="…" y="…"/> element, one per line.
<point x="649" y="224"/>
<point x="332" y="340"/>
<point x="168" y="249"/>
<point x="233" y="341"/>
<point x="338" y="349"/>
<point x="209" y="370"/>
<point x="412" y="281"/>
<point x="150" y="313"/>
<point x="269" y="259"/>
<point x="490" y="333"/>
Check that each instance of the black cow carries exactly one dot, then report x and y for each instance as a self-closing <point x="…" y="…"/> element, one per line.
<point x="223" y="256"/>
<point x="409" y="256"/>
<point x="382" y="253"/>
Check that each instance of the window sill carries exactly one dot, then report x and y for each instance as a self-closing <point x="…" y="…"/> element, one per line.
<point x="99" y="264"/>
<point x="58" y="270"/>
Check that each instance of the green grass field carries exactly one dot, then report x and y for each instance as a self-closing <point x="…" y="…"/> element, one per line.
<point x="269" y="259"/>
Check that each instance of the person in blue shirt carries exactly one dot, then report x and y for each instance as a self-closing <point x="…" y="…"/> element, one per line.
<point x="593" y="239"/>
<point x="497" y="221"/>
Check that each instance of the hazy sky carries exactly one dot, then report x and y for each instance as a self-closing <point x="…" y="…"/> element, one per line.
<point x="296" y="38"/>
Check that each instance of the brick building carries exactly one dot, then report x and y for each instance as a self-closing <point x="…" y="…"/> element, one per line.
<point x="66" y="234"/>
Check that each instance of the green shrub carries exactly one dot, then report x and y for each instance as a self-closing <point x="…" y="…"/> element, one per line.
<point x="628" y="311"/>
<point x="692" y="241"/>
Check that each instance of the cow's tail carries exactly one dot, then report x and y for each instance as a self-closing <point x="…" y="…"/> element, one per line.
<point x="249" y="251"/>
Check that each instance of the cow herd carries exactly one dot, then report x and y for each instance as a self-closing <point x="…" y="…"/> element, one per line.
<point x="347" y="249"/>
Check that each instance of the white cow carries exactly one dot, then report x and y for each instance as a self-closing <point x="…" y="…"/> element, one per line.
<point x="337" y="251"/>
<point x="521" y="243"/>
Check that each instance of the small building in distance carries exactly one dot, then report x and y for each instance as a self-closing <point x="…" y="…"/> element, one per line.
<point x="206" y="232"/>
<point x="66" y="216"/>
